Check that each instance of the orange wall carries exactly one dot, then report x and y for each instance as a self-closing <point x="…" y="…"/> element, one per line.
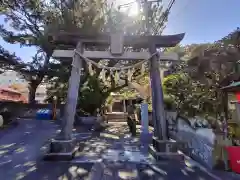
<point x="7" y="95"/>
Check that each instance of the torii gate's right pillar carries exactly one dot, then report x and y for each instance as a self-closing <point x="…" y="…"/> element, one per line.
<point x="157" y="98"/>
<point x="161" y="147"/>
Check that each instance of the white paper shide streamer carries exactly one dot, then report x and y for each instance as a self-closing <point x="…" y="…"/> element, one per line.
<point x="115" y="72"/>
<point x="116" y="77"/>
<point x="90" y="69"/>
<point x="103" y="75"/>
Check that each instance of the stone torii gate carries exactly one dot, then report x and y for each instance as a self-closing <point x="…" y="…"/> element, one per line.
<point x="64" y="145"/>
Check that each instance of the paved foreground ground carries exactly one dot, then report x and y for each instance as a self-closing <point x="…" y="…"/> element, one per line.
<point x="109" y="155"/>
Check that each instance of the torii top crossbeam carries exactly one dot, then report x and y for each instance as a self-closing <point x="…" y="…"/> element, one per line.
<point x="72" y="38"/>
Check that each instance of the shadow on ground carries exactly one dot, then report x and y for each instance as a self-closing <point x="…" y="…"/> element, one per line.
<point x="111" y="154"/>
<point x="53" y="171"/>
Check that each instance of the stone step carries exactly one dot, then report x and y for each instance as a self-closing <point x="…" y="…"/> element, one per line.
<point x="165" y="155"/>
<point x="116" y="120"/>
<point x="116" y="116"/>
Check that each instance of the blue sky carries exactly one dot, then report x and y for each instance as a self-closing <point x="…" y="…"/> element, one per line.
<point x="201" y="20"/>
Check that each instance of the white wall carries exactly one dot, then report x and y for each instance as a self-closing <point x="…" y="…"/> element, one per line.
<point x="11" y="77"/>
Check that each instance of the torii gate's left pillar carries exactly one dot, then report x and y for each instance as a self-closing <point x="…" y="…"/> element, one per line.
<point x="63" y="147"/>
<point x="72" y="96"/>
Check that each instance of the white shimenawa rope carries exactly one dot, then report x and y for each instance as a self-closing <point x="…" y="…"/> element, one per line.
<point x="113" y="68"/>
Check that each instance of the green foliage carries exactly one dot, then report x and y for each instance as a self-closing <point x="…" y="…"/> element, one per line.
<point x="30" y="22"/>
<point x="196" y="85"/>
<point x="169" y="102"/>
<point x="190" y="97"/>
<point x="24" y="25"/>
<point x="109" y="100"/>
<point x="93" y="95"/>
<point x="71" y="16"/>
<point x="179" y="49"/>
<point x="128" y="93"/>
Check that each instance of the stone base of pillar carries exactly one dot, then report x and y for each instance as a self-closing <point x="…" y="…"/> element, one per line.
<point x="61" y="150"/>
<point x="165" y="149"/>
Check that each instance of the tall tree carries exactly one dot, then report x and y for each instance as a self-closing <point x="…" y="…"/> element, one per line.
<point x="220" y="64"/>
<point x="116" y="20"/>
<point x="210" y="67"/>
<point x="29" y="22"/>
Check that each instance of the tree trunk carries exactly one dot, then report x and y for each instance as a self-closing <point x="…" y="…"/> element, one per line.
<point x="32" y="92"/>
<point x="225" y="105"/>
<point x="34" y="83"/>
